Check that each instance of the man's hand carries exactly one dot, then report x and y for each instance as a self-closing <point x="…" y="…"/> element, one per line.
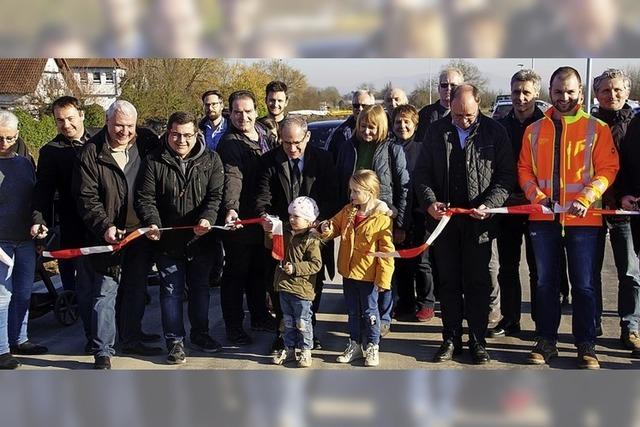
<point x="437" y="210"/>
<point x="39" y="231"/>
<point x="629" y="203"/>
<point x="577" y="209"/>
<point x="288" y="268"/>
<point x="266" y="224"/>
<point x="154" y="233"/>
<point x="478" y="214"/>
<point x="399" y="235"/>
<point x="203" y="227"/>
<point x="231" y="218"/>
<point x="113" y="235"/>
<point x="326" y="227"/>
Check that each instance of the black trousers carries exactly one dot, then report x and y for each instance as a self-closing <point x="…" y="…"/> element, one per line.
<point x="244" y="273"/>
<point x="465" y="284"/>
<point x="512" y="228"/>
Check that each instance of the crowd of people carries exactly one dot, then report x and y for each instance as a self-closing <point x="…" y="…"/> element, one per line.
<point x="389" y="175"/>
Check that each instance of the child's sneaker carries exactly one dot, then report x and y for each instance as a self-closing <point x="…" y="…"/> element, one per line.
<point x="283" y="356"/>
<point x="305" y="359"/>
<point x="352" y="352"/>
<point x="371" y="355"/>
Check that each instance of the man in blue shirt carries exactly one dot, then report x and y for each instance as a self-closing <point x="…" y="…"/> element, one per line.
<point x="213" y="125"/>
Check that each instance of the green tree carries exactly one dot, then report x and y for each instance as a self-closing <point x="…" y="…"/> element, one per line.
<point x="35" y="132"/>
<point x="94" y="116"/>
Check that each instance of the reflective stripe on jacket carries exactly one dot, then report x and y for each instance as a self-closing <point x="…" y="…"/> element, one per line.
<point x="588" y="164"/>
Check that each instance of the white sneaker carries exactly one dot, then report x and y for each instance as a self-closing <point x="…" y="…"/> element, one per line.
<point x="304" y="361"/>
<point x="371" y="355"/>
<point x="352" y="352"/>
<point x="283" y="356"/>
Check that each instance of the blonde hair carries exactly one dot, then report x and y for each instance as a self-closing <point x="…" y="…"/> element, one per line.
<point x="376" y="116"/>
<point x="367" y="180"/>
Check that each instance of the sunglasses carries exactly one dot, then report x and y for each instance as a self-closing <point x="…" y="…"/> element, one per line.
<point x="446" y="85"/>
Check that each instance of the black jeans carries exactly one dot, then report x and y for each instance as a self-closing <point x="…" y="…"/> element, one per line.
<point x="511" y="230"/>
<point x="244" y="272"/>
<point x="465" y="284"/>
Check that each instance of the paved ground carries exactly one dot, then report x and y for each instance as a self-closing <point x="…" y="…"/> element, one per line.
<point x="410" y="345"/>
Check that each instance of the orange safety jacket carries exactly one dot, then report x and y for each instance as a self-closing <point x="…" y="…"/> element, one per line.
<point x="588" y="164"/>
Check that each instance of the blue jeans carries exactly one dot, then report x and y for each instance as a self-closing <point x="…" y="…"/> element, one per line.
<point x="97" y="305"/>
<point x="15" y="293"/>
<point x="628" y="269"/>
<point x="385" y="305"/>
<point x="361" y="299"/>
<point x="296" y="313"/>
<point x="175" y="274"/>
<point x="581" y="244"/>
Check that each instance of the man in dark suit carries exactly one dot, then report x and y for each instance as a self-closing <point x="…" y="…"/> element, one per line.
<point x="297" y="169"/>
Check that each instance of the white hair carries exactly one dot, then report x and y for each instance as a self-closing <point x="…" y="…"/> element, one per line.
<point x="122" y="106"/>
<point x="364" y="92"/>
<point x="8" y="119"/>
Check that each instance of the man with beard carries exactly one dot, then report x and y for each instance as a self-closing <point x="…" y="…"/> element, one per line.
<point x="277" y="99"/>
<point x="213" y="125"/>
<point x="568" y="157"/>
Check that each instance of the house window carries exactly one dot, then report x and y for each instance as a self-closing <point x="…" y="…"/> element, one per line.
<point x="109" y="77"/>
<point x="84" y="78"/>
<point x="96" y="77"/>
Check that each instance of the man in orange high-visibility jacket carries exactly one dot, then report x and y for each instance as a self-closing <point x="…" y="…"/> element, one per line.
<point x="568" y="157"/>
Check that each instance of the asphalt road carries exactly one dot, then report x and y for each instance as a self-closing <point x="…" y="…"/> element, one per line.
<point x="410" y="345"/>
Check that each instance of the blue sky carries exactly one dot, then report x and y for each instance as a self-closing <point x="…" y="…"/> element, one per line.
<point x="346" y="74"/>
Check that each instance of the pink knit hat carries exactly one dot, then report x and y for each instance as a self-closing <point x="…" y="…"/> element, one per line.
<point x="304" y="207"/>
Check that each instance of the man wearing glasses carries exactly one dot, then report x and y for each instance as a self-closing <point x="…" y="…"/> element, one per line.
<point x="341" y="134"/>
<point x="213" y="125"/>
<point x="448" y="80"/>
<point x="183" y="258"/>
<point x="297" y="169"/>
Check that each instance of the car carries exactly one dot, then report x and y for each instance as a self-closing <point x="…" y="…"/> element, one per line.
<point x="320" y="131"/>
<point x="502" y="107"/>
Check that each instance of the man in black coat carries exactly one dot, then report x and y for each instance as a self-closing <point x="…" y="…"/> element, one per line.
<point x="466" y="161"/>
<point x="291" y="170"/>
<point x="449" y="78"/>
<point x="103" y="185"/>
<point x="343" y="133"/>
<point x="180" y="184"/>
<point x="240" y="150"/>
<point x="54" y="173"/>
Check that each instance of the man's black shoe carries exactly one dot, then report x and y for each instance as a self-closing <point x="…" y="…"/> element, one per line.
<point x="102" y="362"/>
<point x="277" y="344"/>
<point x="317" y="345"/>
<point x="446" y="352"/>
<point x="28" y="348"/>
<point x="504" y="329"/>
<point x="203" y="342"/>
<point x="7" y="361"/>
<point x="144" y="337"/>
<point x="238" y="336"/>
<point x="142" y="350"/>
<point x="479" y="354"/>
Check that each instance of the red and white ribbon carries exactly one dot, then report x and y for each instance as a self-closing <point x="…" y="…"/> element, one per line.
<point x="277" y="251"/>
<point x="413" y="252"/>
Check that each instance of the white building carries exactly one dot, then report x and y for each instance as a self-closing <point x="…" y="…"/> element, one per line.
<point x="29" y="83"/>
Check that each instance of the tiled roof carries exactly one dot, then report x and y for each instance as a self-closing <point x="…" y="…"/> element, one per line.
<point x="95" y="63"/>
<point x="20" y="76"/>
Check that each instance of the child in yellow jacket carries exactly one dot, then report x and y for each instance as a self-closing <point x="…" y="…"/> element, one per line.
<point x="363" y="228"/>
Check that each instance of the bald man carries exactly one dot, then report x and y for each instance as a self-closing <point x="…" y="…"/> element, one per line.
<point x="466" y="161"/>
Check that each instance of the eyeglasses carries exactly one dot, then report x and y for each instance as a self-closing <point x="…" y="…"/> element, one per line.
<point x="446" y="85"/>
<point x="8" y="138"/>
<point x="179" y="136"/>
